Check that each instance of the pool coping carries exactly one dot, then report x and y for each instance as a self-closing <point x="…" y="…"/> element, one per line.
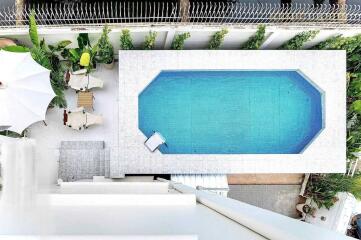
<point x="326" y="152"/>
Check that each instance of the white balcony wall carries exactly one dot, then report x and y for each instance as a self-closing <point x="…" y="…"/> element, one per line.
<point x="200" y="35"/>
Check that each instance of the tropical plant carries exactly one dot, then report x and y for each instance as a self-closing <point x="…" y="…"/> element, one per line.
<point x="105" y="53"/>
<point x="255" y="41"/>
<point x="126" y="42"/>
<point x="149" y="42"/>
<point x="178" y="41"/>
<point x="217" y="39"/>
<point x="352" y="45"/>
<point x="48" y="57"/>
<point x="83" y="56"/>
<point x="298" y="41"/>
<point x="328" y="43"/>
<point x="16" y="48"/>
<point x="323" y="188"/>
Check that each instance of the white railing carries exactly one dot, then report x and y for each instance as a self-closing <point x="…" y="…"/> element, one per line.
<point x="165" y="13"/>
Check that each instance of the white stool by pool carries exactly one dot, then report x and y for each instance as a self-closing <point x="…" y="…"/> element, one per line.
<point x="154" y="141"/>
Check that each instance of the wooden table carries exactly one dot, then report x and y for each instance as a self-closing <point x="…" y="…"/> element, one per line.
<point x="85" y="99"/>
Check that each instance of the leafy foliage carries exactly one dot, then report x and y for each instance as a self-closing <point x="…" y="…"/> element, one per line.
<point x="126" y="42"/>
<point x="49" y="58"/>
<point x="178" y="42"/>
<point x="352" y="45"/>
<point x="298" y="41"/>
<point x="16" y="48"/>
<point x="33" y="30"/>
<point x="105" y="52"/>
<point x="217" y="39"/>
<point x="60" y="46"/>
<point x="83" y="40"/>
<point x="322" y="188"/>
<point x="149" y="41"/>
<point x="255" y="41"/>
<point x="74" y="54"/>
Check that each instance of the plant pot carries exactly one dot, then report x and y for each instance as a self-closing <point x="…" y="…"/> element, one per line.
<point x="109" y="65"/>
<point x="306" y="209"/>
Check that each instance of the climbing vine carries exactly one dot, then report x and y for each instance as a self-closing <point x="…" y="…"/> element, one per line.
<point x="352" y="45"/>
<point x="217" y="39"/>
<point x="178" y="42"/>
<point x="149" y="41"/>
<point x="298" y="41"/>
<point x="255" y="41"/>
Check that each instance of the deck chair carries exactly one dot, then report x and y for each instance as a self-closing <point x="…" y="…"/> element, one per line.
<point x="79" y="119"/>
<point x="154" y="141"/>
<point x="92" y="119"/>
<point x="78" y="80"/>
<point x="94" y="82"/>
<point x="75" y="119"/>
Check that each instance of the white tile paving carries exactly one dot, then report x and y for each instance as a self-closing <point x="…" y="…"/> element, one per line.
<point x="49" y="137"/>
<point x="325" y="154"/>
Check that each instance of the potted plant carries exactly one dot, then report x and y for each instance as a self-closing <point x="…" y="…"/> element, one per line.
<point x="105" y="50"/>
<point x="82" y="57"/>
<point x="306" y="209"/>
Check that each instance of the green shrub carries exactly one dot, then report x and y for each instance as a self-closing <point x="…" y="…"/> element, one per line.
<point x="16" y="48"/>
<point x="126" y="42"/>
<point x="74" y="55"/>
<point x="298" y="41"/>
<point x="149" y="41"/>
<point x="33" y="30"/>
<point x="178" y="41"/>
<point x="105" y="53"/>
<point x="217" y="39"/>
<point x="322" y="188"/>
<point x="48" y="57"/>
<point x="255" y="41"/>
<point x="352" y="46"/>
<point x="328" y="44"/>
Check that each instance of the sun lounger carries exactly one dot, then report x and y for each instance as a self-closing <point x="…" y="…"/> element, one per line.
<point x="79" y="119"/>
<point x="80" y="81"/>
<point x="154" y="141"/>
<point x="75" y="119"/>
<point x="94" y="82"/>
<point x="92" y="119"/>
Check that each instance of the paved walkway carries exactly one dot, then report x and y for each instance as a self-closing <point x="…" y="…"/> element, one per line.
<point x="277" y="198"/>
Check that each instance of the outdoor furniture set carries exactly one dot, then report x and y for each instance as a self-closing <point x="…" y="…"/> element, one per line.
<point x="82" y="83"/>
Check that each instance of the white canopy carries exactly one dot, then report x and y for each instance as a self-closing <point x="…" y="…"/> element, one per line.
<point x="25" y="91"/>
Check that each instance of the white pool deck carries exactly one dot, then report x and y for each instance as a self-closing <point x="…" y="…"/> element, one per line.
<point x="117" y="102"/>
<point x="326" y="153"/>
<point x="49" y="137"/>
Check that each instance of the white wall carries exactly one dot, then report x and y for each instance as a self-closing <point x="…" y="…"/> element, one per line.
<point x="200" y="35"/>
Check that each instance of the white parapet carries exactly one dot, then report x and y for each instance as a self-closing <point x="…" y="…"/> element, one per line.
<point x="269" y="224"/>
<point x="109" y="200"/>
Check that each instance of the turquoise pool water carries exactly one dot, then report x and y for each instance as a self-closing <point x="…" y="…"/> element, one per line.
<point x="231" y="112"/>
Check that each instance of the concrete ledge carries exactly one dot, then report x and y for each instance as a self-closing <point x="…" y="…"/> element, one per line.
<point x="118" y="199"/>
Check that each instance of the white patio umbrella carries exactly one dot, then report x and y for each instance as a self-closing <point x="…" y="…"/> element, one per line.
<point x="25" y="91"/>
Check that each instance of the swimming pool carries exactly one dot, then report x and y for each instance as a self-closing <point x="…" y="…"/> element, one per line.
<point x="231" y="112"/>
